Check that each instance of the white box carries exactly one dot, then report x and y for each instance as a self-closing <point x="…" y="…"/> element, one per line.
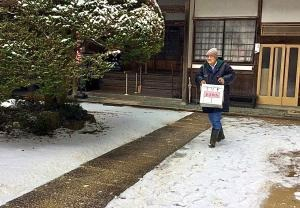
<point x="211" y="96"/>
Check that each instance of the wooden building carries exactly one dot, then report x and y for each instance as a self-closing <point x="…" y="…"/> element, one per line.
<point x="232" y="26"/>
<point x="279" y="58"/>
<point x="162" y="75"/>
<point x="259" y="38"/>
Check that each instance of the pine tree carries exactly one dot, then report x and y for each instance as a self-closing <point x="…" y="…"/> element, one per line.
<point x="39" y="40"/>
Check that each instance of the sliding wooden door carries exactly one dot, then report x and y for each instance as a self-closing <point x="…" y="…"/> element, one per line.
<point x="278" y="75"/>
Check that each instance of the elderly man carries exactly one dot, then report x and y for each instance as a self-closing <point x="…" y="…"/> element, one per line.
<point x="216" y="71"/>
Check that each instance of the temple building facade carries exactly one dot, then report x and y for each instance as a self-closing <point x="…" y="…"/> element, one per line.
<point x="260" y="39"/>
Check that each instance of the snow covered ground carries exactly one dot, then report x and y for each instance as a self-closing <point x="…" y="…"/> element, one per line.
<point x="236" y="174"/>
<point x="28" y="162"/>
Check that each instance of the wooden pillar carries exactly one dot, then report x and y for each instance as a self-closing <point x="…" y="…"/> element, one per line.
<point x="185" y="52"/>
<point x="256" y="55"/>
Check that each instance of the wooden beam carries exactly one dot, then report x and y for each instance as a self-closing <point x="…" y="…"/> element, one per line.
<point x="257" y="56"/>
<point x="185" y="52"/>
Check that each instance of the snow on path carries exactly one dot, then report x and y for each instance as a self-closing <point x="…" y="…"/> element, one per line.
<point x="28" y="162"/>
<point x="237" y="173"/>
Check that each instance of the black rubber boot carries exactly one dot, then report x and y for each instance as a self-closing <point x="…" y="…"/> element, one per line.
<point x="213" y="137"/>
<point x="221" y="135"/>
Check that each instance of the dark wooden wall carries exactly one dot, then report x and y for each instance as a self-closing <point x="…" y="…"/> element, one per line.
<point x="280" y="40"/>
<point x="153" y="84"/>
<point x="165" y="66"/>
<point x="242" y="91"/>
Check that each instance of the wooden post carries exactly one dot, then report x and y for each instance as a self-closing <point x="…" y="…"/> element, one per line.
<point x="136" y="83"/>
<point x="190" y="89"/>
<point x="126" y="83"/>
<point x="140" y="85"/>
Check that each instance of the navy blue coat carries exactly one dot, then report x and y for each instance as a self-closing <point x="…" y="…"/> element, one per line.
<point x="222" y="69"/>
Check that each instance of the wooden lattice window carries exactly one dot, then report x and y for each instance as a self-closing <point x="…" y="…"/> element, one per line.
<point x="234" y="39"/>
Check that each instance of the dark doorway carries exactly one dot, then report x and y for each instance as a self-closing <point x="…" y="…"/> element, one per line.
<point x="163" y="77"/>
<point x="169" y="60"/>
<point x="160" y="77"/>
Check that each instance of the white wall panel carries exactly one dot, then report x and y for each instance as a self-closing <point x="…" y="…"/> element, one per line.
<point x="226" y="8"/>
<point x="281" y="11"/>
<point x="234" y="67"/>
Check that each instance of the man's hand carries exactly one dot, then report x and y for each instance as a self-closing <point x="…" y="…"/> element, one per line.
<point x="202" y="82"/>
<point x="221" y="80"/>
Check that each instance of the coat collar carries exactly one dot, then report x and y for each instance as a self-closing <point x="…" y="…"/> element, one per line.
<point x="218" y="65"/>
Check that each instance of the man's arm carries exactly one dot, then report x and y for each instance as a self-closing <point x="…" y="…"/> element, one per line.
<point x="229" y="75"/>
<point x="200" y="77"/>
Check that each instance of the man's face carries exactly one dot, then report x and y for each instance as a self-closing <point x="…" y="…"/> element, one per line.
<point x="211" y="60"/>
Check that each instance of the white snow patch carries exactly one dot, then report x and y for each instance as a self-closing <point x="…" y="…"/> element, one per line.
<point x="30" y="161"/>
<point x="237" y="173"/>
<point x="8" y="103"/>
<point x="297" y="195"/>
<point x="65" y="40"/>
